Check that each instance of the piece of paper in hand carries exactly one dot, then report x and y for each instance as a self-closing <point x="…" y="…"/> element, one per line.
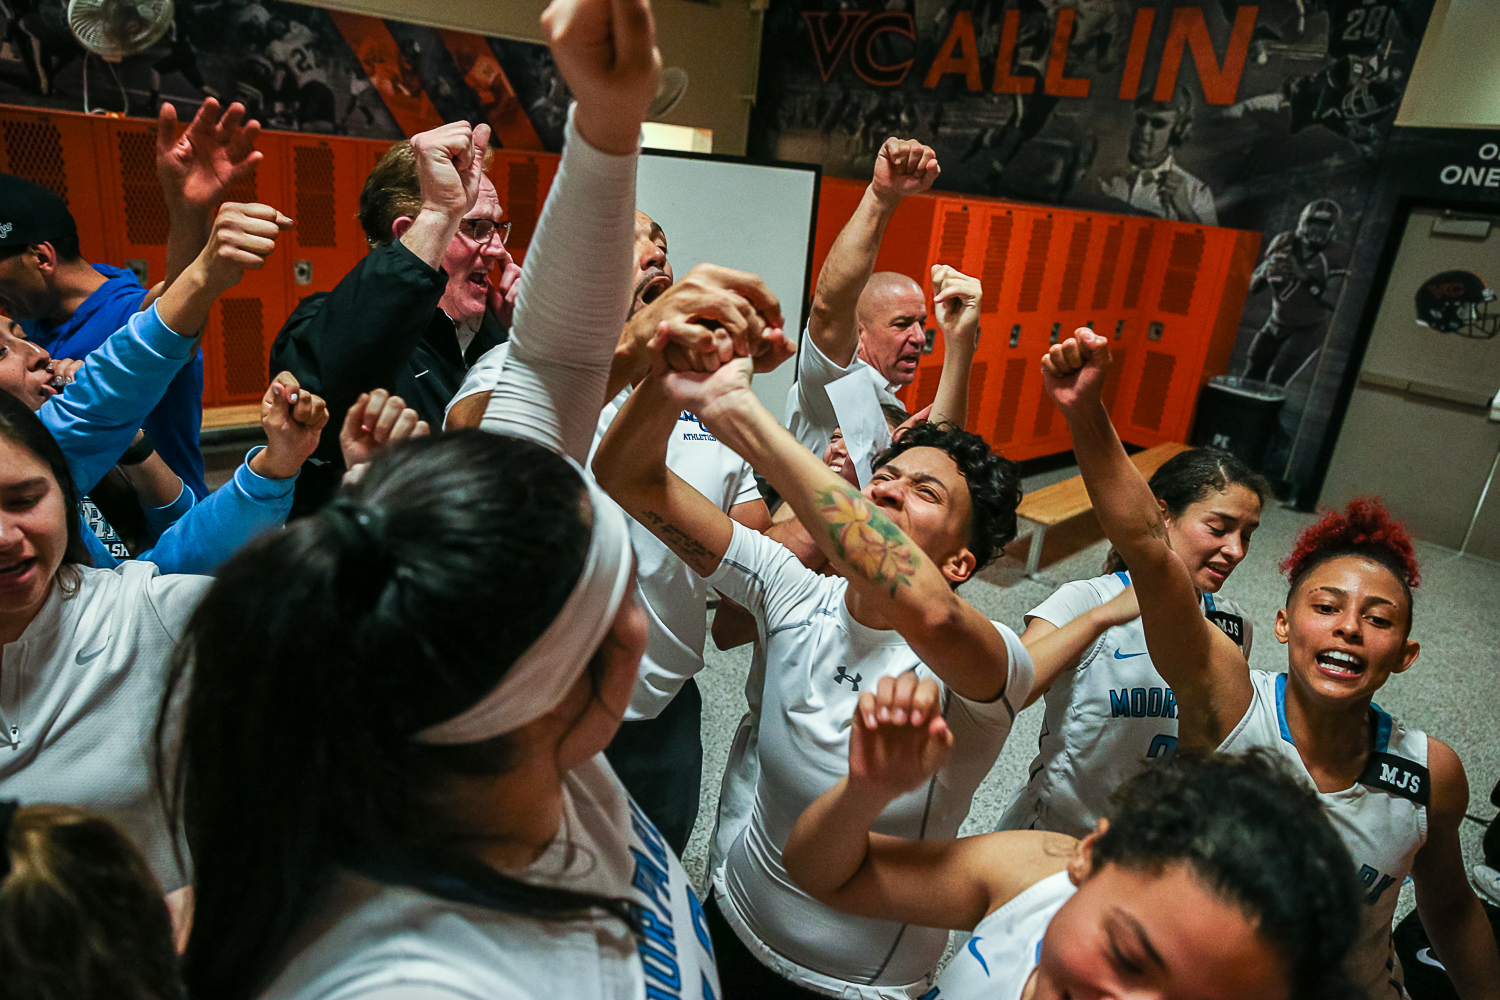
<point x="856" y="403"/>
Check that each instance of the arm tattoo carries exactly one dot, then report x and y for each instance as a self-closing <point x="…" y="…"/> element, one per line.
<point x="690" y="548"/>
<point x="866" y="540"/>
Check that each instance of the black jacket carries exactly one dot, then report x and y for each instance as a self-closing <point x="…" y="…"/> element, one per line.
<point x="380" y="328"/>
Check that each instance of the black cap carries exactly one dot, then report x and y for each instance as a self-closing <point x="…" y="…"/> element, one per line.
<point x="32" y="214"/>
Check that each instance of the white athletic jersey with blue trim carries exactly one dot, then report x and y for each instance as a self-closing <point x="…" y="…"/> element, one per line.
<point x="996" y="961"/>
<point x="1106" y="719"/>
<point x="818" y="661"/>
<point x="1383" y="827"/>
<point x="384" y="941"/>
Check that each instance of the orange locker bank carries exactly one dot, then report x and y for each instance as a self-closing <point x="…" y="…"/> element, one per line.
<point x="1168" y="293"/>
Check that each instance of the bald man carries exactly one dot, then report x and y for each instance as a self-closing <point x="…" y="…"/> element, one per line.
<point x="862" y="318"/>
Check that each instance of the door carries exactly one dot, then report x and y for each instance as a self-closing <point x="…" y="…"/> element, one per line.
<point x="1417" y="432"/>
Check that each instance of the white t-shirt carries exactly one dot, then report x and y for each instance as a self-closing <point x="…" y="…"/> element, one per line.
<point x="818" y="659"/>
<point x="381" y="940"/>
<point x="998" y="958"/>
<point x="675" y="598"/>
<point x="809" y="411"/>
<point x="1381" y="818"/>
<point x="1106" y="719"/>
<point x="79" y="695"/>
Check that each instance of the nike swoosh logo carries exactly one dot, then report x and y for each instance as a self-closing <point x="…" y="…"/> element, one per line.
<point x="1125" y="656"/>
<point x="974" y="950"/>
<point x="84" y="658"/>
<point x="1425" y="957"/>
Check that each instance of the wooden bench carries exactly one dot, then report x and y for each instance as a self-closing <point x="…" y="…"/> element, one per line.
<point x="1061" y="502"/>
<point x="215" y="417"/>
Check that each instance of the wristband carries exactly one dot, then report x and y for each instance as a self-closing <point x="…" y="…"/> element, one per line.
<point x="139" y="451"/>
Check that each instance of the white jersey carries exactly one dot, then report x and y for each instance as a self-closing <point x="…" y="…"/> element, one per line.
<point x="675" y="598"/>
<point x="382" y="940"/>
<point x="1107" y="719"/>
<point x="296" y="50"/>
<point x="809" y="411"/>
<point x="997" y="960"/>
<point x="1381" y="818"/>
<point x="818" y="660"/>
<point x="79" y="695"/>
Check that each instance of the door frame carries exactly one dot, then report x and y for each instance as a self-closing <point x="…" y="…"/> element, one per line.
<point x="1400" y="217"/>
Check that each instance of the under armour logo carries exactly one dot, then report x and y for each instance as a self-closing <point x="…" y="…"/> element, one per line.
<point x="844" y="675"/>
<point x="5" y="228"/>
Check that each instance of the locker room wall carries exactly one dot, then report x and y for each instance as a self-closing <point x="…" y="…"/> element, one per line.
<point x="105" y="168"/>
<point x="1168" y="294"/>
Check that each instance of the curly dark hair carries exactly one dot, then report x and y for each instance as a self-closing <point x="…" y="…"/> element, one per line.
<point x="994" y="483"/>
<point x="1365" y="528"/>
<point x="1258" y="836"/>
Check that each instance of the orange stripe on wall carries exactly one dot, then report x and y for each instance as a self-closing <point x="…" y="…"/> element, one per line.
<point x="380" y="57"/>
<point x="509" y="125"/>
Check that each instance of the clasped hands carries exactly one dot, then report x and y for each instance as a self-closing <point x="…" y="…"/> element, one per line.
<point x="708" y="319"/>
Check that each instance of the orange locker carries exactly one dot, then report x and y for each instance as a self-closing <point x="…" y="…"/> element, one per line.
<point x="321" y="181"/>
<point x="1167" y="294"/>
<point x="58" y="151"/>
<point x="522" y="180"/>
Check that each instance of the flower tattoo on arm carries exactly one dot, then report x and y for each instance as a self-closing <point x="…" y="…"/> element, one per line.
<point x="867" y="541"/>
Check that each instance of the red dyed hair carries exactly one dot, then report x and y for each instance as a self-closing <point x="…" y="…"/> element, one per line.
<point x="1365" y="528"/>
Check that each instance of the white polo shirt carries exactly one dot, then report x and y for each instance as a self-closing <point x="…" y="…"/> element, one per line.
<point x="818" y="659"/>
<point x="809" y="411"/>
<point x="675" y="598"/>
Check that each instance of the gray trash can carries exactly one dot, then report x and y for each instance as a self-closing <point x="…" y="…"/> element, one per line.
<point x="1238" y="415"/>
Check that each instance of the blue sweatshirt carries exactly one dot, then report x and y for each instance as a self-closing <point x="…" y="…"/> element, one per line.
<point x="95" y="420"/>
<point x="174" y="422"/>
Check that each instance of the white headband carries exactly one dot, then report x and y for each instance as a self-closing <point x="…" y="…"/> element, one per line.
<point x="536" y="683"/>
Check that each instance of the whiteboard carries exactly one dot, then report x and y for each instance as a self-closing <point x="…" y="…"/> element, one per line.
<point x="748" y="216"/>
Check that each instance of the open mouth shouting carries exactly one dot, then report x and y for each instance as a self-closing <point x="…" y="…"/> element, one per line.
<point x="649" y="288"/>
<point x="1340" y="663"/>
<point x="16" y="572"/>
<point x="480" y="280"/>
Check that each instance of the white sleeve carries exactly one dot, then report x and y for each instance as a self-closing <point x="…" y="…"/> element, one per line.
<point x="480" y="378"/>
<point x="173" y="596"/>
<point x="762" y="576"/>
<point x="980" y="728"/>
<point x="747" y="490"/>
<point x="1067" y="602"/>
<point x="814" y="373"/>
<point x="575" y="292"/>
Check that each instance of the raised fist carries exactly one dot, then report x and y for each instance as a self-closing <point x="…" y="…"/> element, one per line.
<point x="899" y="739"/>
<point x="955" y="296"/>
<point x="293" y="420"/>
<point x="904" y="167"/>
<point x="450" y="164"/>
<point x="606" y="52"/>
<point x="243" y="237"/>
<point x="1073" y="371"/>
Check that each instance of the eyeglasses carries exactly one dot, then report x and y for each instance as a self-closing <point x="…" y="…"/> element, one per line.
<point x="481" y="231"/>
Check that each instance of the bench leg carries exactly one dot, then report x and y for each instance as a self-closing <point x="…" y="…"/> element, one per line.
<point x="1034" y="555"/>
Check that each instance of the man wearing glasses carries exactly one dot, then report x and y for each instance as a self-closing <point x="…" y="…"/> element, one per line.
<point x="422" y="306"/>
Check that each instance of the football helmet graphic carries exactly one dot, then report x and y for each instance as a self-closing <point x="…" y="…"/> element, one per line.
<point x="1458" y="302"/>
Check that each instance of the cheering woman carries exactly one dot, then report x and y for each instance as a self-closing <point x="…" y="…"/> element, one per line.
<point x="1395" y="795"/>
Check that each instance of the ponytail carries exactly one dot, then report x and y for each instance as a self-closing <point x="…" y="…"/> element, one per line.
<point x="317" y="654"/>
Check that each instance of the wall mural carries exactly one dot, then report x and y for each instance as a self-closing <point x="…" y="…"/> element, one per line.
<point x="294" y="67"/>
<point x="1269" y="117"/>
